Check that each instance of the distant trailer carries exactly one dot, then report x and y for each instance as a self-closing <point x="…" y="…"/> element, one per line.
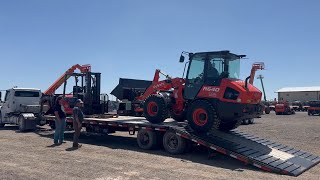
<point x="175" y="137"/>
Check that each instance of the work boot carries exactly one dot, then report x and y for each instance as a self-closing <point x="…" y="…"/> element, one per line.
<point x="77" y="146"/>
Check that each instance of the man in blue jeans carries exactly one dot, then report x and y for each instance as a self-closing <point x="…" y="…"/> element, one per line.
<point x="60" y="122"/>
<point x="77" y="122"/>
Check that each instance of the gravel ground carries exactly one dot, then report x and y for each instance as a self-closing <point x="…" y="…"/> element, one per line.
<point x="29" y="155"/>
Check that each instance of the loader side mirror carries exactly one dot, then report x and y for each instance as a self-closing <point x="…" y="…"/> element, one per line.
<point x="181" y="59"/>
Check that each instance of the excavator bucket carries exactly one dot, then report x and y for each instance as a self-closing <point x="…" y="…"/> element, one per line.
<point x="130" y="88"/>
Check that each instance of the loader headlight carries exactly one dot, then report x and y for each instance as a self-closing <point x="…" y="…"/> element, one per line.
<point x="231" y="94"/>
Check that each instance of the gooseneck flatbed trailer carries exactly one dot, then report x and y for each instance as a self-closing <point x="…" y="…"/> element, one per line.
<point x="177" y="136"/>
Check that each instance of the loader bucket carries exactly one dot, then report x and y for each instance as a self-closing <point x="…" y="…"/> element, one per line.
<point x="130" y="88"/>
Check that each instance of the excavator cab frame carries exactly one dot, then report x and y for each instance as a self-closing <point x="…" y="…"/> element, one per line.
<point x="209" y="68"/>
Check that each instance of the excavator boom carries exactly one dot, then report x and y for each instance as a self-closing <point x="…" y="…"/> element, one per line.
<point x="52" y="89"/>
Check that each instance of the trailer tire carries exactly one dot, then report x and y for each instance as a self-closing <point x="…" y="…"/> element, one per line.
<point x="22" y="123"/>
<point x="52" y="125"/>
<point x="154" y="109"/>
<point x="267" y="110"/>
<point x="147" y="139"/>
<point x="246" y="122"/>
<point x="173" y="143"/>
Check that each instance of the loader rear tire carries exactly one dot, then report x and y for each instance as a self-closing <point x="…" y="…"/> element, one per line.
<point x="202" y="116"/>
<point x="155" y="110"/>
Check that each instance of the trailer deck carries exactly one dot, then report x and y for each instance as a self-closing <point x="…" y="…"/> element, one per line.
<point x="261" y="153"/>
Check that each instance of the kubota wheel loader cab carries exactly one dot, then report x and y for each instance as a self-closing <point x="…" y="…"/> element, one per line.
<point x="216" y="97"/>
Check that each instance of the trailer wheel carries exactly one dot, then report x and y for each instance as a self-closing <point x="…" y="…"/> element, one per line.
<point x="251" y="121"/>
<point x="202" y="116"/>
<point x="246" y="121"/>
<point x="173" y="143"/>
<point x="147" y="139"/>
<point x="155" y="109"/>
<point x="1" y="124"/>
<point x="52" y="125"/>
<point x="22" y="123"/>
<point x="180" y="117"/>
<point x="267" y="110"/>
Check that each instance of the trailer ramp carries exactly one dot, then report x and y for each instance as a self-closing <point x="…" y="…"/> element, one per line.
<point x="261" y="153"/>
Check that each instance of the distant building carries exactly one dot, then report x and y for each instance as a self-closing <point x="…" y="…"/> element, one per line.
<point x="299" y="93"/>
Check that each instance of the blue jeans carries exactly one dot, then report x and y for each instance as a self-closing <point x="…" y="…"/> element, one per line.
<point x="59" y="132"/>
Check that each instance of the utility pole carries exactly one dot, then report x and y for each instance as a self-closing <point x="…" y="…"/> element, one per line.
<point x="264" y="93"/>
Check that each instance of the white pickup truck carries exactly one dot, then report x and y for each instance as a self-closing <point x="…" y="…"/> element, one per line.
<point x="21" y="106"/>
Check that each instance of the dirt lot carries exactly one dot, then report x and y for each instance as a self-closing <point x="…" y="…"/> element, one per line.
<point x="28" y="155"/>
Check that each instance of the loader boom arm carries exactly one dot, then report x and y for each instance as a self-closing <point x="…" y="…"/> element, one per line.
<point x="52" y="89"/>
<point x="163" y="85"/>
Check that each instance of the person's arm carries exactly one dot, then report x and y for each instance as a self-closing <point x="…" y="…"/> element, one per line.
<point x="77" y="119"/>
<point x="56" y="113"/>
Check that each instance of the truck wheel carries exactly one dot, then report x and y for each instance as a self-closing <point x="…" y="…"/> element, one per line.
<point x="22" y="123"/>
<point x="251" y="121"/>
<point x="147" y="139"/>
<point x="173" y="143"/>
<point x="155" y="109"/>
<point x="180" y="117"/>
<point x="1" y="124"/>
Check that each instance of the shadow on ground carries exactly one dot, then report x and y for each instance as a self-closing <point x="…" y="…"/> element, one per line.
<point x="197" y="154"/>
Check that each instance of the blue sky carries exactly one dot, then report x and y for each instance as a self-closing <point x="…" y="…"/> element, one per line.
<point x="39" y="40"/>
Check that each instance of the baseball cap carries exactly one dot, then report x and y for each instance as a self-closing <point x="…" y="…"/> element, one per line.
<point x="79" y="101"/>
